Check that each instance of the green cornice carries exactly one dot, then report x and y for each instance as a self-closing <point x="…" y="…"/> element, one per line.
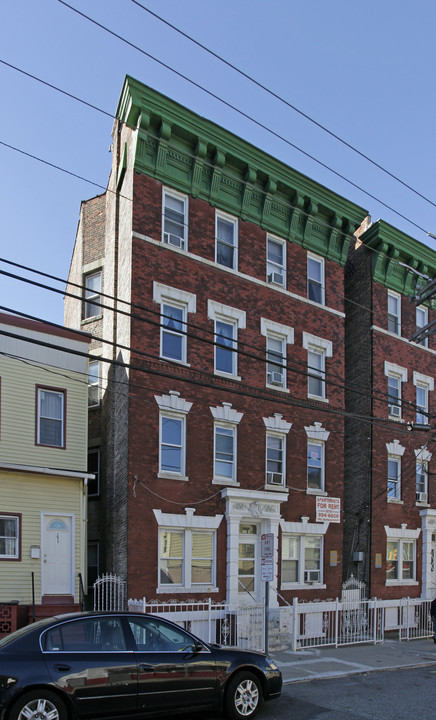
<point x="198" y="157"/>
<point x="390" y="247"/>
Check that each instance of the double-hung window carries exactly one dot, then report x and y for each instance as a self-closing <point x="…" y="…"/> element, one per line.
<point x="394" y="478"/>
<point x="302" y="559"/>
<point x="172" y="435"/>
<point x="318" y="350"/>
<point x="187" y="551"/>
<point x="10" y="537"/>
<point x="277" y="338"/>
<point x="50" y="420"/>
<point x="226" y="421"/>
<point x="227" y="322"/>
<point x="275" y="261"/>
<point x="423" y="457"/>
<point x="175" y="305"/>
<point x="394" y="312"/>
<point x="226" y="234"/>
<point x="396" y="376"/>
<point x="316" y="443"/>
<point x="92" y="295"/>
<point x="276" y="431"/>
<point x="400" y="560"/>
<point x="424" y="384"/>
<point x="175" y="219"/>
<point x="93" y="383"/>
<point x="315" y="278"/>
<point x="421" y="321"/>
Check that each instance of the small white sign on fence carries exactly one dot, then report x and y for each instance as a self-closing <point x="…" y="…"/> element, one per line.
<point x="328" y="509"/>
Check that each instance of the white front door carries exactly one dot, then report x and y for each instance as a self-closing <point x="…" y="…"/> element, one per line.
<point x="58" y="555"/>
<point x="248" y="563"/>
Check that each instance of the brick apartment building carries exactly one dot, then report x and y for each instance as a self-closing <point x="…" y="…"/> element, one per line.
<point x="390" y="497"/>
<point x="213" y="280"/>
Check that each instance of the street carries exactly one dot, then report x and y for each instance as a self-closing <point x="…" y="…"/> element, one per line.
<point x="387" y="695"/>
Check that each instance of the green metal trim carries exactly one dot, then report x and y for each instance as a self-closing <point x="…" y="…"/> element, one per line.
<point x="390" y="247"/>
<point x="195" y="156"/>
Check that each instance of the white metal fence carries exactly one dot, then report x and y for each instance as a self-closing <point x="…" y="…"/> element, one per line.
<point x="300" y="625"/>
<point x="109" y="593"/>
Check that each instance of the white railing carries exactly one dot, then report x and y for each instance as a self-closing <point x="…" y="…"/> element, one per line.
<point x="300" y="625"/>
<point x="109" y="593"/>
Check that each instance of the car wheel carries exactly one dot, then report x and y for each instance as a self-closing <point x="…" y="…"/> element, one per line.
<point x="39" y="705"/>
<point x="243" y="696"/>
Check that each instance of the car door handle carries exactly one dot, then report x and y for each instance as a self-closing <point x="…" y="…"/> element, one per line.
<point x="62" y="668"/>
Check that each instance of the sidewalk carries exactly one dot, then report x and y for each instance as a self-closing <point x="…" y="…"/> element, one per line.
<point x="329" y="662"/>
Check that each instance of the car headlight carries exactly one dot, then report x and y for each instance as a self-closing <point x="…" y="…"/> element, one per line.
<point x="271" y="664"/>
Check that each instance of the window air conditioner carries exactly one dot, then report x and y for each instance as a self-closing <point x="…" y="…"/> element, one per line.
<point x="421" y="497"/>
<point x="312" y="576"/>
<point x="174" y="240"/>
<point x="274" y="478"/>
<point x="275" y="378"/>
<point x="276" y="278"/>
<point x="395" y="410"/>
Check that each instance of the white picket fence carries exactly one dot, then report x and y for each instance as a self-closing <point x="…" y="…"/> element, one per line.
<point x="299" y="625"/>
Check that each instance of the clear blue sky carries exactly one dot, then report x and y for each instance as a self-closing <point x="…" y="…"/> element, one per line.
<point x="364" y="70"/>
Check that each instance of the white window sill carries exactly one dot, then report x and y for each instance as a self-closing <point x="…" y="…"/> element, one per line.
<point x="318" y="397"/>
<point x="87" y="320"/>
<point x="315" y="491"/>
<point x="422" y="504"/>
<point x="390" y="583"/>
<point x="172" y="476"/>
<point x="395" y="501"/>
<point x="279" y="388"/>
<point x="174" y="360"/>
<point x="174" y="589"/>
<point x="225" y="481"/>
<point x="273" y="487"/>
<point x="303" y="586"/>
<point x="395" y="418"/>
<point x="228" y="376"/>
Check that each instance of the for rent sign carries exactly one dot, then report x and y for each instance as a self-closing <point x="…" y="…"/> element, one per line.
<point x="328" y="509"/>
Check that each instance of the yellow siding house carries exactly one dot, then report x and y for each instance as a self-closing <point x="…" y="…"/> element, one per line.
<point x="43" y="467"/>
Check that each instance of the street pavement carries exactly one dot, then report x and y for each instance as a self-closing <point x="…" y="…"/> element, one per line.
<point x="330" y="662"/>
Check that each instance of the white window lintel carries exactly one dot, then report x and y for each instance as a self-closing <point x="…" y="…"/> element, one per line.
<point x="166" y="292"/>
<point x="312" y="342"/>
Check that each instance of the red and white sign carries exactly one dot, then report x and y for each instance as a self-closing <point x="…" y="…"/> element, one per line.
<point x="328" y="509"/>
<point x="267" y="545"/>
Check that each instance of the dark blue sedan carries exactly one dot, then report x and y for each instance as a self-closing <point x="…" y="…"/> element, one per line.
<point x="104" y="665"/>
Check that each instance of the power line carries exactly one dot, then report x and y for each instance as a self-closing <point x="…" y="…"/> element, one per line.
<point x="284" y="101"/>
<point x="241" y="112"/>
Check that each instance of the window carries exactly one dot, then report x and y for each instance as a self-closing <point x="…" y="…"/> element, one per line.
<point x="187" y="551"/>
<point x="422" y="321"/>
<point x="186" y="558"/>
<point x="275" y="361"/>
<point x="423" y="457"/>
<point x="275" y="261"/>
<point x="396" y="375"/>
<point x="175" y="219"/>
<point x="172" y="435"/>
<point x="227" y="321"/>
<point x="10" y="537"/>
<point x="94" y="469"/>
<point x="315" y="278"/>
<point x="394" y="313"/>
<point x="277" y="429"/>
<point x="316" y="440"/>
<point x="172" y="444"/>
<point x="301" y="559"/>
<point x="175" y="305"/>
<point x="93" y="383"/>
<point x="400" y="560"/>
<point x="50" y="417"/>
<point x="424" y="384"/>
<point x="394" y="478"/>
<point x="225" y="446"/>
<point x="225" y="453"/>
<point x="315" y="466"/>
<point x="92" y="297"/>
<point x="275" y="459"/>
<point x="317" y="351"/>
<point x="85" y="635"/>
<point x="226" y="233"/>
<point x="225" y="346"/>
<point x="173" y="332"/>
